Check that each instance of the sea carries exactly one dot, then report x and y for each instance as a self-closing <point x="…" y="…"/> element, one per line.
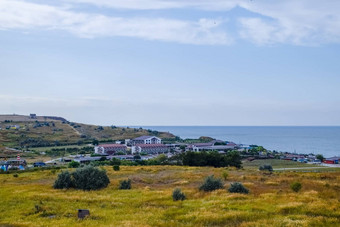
<point x="300" y="139"/>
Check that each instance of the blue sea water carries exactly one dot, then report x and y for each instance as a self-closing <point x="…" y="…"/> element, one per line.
<point x="317" y="140"/>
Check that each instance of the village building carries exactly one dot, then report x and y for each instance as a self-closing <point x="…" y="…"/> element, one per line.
<point x="150" y="148"/>
<point x="109" y="149"/>
<point x="210" y="146"/>
<point x="146" y="140"/>
<point x="332" y="160"/>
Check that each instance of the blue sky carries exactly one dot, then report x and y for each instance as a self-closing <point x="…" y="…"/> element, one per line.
<point x="171" y="62"/>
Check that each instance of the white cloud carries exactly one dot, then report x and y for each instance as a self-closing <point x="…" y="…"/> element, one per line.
<point x="161" y="4"/>
<point x="24" y="15"/>
<point x="303" y="22"/>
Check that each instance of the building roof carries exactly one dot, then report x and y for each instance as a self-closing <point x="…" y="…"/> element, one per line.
<point x="112" y="145"/>
<point x="151" y="145"/>
<point x="144" y="137"/>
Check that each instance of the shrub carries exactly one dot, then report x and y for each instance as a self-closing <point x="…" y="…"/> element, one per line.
<point x="90" y="178"/>
<point x="15" y="175"/>
<point x="177" y="194"/>
<point x="266" y="167"/>
<point x="296" y="186"/>
<point x="125" y="184"/>
<point x="87" y="178"/>
<point x="238" y="188"/>
<point x="116" y="168"/>
<point x="211" y="183"/>
<point x="225" y="174"/>
<point x="63" y="181"/>
<point x="73" y="164"/>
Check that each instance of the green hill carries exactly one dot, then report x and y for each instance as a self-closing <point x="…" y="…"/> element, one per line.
<point x="47" y="131"/>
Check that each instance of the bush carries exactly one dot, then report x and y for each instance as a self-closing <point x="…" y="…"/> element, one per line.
<point x="177" y="194"/>
<point x="73" y="164"/>
<point x="238" y="188"/>
<point x="63" y="181"/>
<point x="90" y="178"/>
<point x="116" y="168"/>
<point x="125" y="184"/>
<point x="266" y="167"/>
<point x="225" y="174"/>
<point x="211" y="184"/>
<point x="296" y="186"/>
<point x="15" y="175"/>
<point x="87" y="178"/>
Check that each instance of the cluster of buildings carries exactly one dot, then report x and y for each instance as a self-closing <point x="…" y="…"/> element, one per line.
<point x="153" y="145"/>
<point x="139" y="145"/>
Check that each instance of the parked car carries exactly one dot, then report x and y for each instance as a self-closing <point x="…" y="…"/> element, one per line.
<point x="39" y="164"/>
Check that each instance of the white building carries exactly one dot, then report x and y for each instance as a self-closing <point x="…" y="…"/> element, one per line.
<point x="146" y="140"/>
<point x="149" y="148"/>
<point x="109" y="149"/>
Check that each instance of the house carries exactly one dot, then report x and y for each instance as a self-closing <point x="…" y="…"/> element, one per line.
<point x="33" y="116"/>
<point x="332" y="160"/>
<point x="86" y="160"/>
<point x="150" y="148"/>
<point x="210" y="146"/>
<point x="109" y="149"/>
<point x="146" y="140"/>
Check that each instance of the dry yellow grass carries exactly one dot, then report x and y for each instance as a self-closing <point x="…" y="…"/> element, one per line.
<point x="30" y="200"/>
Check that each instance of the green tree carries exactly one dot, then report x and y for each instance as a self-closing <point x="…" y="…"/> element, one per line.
<point x="320" y="157"/>
<point x="73" y="164"/>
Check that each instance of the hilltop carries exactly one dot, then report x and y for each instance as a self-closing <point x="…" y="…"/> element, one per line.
<point x="19" y="131"/>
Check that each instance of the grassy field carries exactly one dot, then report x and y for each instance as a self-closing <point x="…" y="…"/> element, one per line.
<point x="30" y="200"/>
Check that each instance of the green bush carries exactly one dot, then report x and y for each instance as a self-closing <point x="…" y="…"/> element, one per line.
<point x="211" y="184"/>
<point x="296" y="186"/>
<point x="90" y="178"/>
<point x="238" y="188"/>
<point x="73" y="164"/>
<point x="125" y="184"/>
<point x="116" y="168"/>
<point x="266" y="167"/>
<point x="63" y="181"/>
<point x="87" y="178"/>
<point x="177" y="194"/>
<point x="225" y="174"/>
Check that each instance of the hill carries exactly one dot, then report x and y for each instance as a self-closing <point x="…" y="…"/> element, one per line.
<point x="55" y="131"/>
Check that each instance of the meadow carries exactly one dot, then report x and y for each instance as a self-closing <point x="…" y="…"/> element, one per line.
<point x="30" y="200"/>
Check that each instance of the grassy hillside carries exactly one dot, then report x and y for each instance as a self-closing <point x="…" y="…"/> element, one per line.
<point x="30" y="200"/>
<point x="50" y="133"/>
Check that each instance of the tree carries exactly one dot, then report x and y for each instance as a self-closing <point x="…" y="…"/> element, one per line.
<point x="320" y="157"/>
<point x="95" y="142"/>
<point x="73" y="164"/>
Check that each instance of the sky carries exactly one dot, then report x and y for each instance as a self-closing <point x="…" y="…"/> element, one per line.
<point x="172" y="62"/>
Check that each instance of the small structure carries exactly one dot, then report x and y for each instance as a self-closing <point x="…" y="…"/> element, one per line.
<point x="33" y="116"/>
<point x="146" y="140"/>
<point x="109" y="149"/>
<point x="332" y="160"/>
<point x="83" y="213"/>
<point x="150" y="148"/>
